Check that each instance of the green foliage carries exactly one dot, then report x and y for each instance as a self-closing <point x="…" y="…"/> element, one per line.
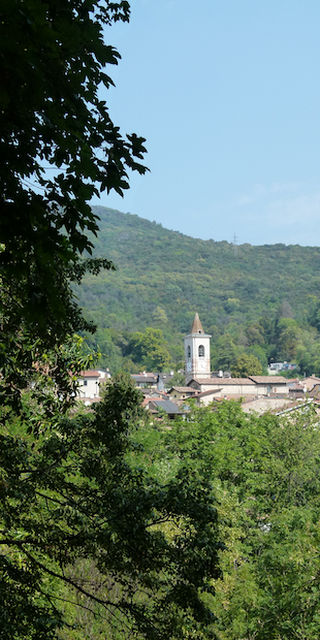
<point x="308" y="353"/>
<point x="260" y="354"/>
<point x="58" y="144"/>
<point x="70" y="496"/>
<point x="265" y="474"/>
<point x="225" y="353"/>
<point x="81" y="523"/>
<point x="149" y="350"/>
<point x="232" y="305"/>
<point x="160" y="316"/>
<point x="255" y="334"/>
<point x="246" y="365"/>
<point x="288" y="333"/>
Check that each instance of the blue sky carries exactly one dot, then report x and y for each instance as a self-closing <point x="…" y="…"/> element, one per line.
<point x="227" y="94"/>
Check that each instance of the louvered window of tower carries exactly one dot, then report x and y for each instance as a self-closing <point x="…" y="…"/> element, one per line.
<point x="201" y="351"/>
<point x="189" y="352"/>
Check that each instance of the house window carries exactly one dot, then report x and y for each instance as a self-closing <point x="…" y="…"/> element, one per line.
<point x="201" y="351"/>
<point x="85" y="382"/>
<point x="189" y="352"/>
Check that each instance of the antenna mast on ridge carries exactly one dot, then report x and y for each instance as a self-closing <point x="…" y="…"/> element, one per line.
<point x="235" y="248"/>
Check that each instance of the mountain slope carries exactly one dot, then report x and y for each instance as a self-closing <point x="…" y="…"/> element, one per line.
<point x="163" y="277"/>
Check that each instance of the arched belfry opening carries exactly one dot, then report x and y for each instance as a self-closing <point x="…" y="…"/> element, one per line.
<point x="201" y="351"/>
<point x="197" y="351"/>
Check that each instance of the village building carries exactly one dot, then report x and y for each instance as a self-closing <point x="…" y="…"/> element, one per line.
<point x="297" y="389"/>
<point x="210" y="386"/>
<point x="164" y="378"/>
<point x="165" y="407"/>
<point x="266" y="385"/>
<point x="145" y="380"/>
<point x="197" y="352"/>
<point x="277" y="367"/>
<point x="206" y="397"/>
<point x="224" y="386"/>
<point x="90" y="383"/>
<point x="263" y="404"/>
<point x="258" y="393"/>
<point x="310" y="382"/>
<point x="181" y="393"/>
<point x="251" y="386"/>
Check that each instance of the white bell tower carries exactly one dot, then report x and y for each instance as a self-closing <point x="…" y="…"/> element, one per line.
<point x="197" y="352"/>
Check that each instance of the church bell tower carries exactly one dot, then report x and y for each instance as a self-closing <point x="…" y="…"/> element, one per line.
<point x="197" y="352"/>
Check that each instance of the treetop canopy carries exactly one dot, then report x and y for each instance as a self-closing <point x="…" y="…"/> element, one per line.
<point x="58" y="144"/>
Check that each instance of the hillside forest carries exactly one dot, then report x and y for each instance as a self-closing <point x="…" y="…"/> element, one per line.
<point x="261" y="302"/>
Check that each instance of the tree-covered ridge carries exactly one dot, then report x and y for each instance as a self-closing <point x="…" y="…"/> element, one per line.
<point x="259" y="300"/>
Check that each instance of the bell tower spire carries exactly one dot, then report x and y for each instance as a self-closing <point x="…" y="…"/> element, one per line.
<point x="197" y="352"/>
<point x="196" y="325"/>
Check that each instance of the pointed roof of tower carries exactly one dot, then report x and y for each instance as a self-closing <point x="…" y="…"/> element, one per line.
<point x="196" y="326"/>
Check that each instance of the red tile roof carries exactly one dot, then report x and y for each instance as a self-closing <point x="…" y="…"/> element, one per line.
<point x="310" y="382"/>
<point x="224" y="381"/>
<point x="269" y="379"/>
<point x="90" y="374"/>
<point x="184" y="389"/>
<point x="207" y="393"/>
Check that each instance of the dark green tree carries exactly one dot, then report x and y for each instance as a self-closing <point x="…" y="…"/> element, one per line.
<point x="67" y="491"/>
<point x="255" y="334"/>
<point x="246" y="365"/>
<point x="149" y="349"/>
<point x="288" y="334"/>
<point x="75" y="494"/>
<point x="58" y="144"/>
<point x="308" y="354"/>
<point x="265" y="472"/>
<point x="225" y="352"/>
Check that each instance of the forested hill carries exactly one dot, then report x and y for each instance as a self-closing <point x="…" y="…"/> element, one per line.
<point x="261" y="300"/>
